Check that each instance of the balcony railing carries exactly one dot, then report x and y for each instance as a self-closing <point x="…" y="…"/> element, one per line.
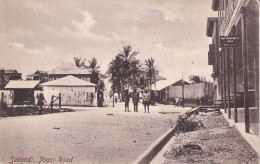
<point x="225" y="13"/>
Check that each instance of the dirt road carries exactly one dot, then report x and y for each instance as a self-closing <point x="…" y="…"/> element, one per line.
<point x="96" y="135"/>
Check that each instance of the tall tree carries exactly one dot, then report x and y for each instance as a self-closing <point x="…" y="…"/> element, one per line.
<point x="195" y="79"/>
<point x="124" y="69"/>
<point x="79" y="63"/>
<point x="97" y="78"/>
<point x="151" y="71"/>
<point x="94" y="68"/>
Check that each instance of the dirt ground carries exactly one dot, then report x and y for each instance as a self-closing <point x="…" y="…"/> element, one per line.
<point x="89" y="135"/>
<point x="216" y="143"/>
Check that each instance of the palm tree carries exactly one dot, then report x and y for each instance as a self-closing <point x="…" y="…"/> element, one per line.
<point x="94" y="69"/>
<point x="124" y="68"/>
<point x="79" y="63"/>
<point x="127" y="64"/>
<point x="97" y="77"/>
<point x="151" y="71"/>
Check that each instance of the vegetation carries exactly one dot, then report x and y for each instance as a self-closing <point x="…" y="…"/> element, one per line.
<point x="97" y="76"/>
<point x="149" y="63"/>
<point x="126" y="71"/>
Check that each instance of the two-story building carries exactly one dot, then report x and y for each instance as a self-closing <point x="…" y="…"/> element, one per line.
<point x="69" y="69"/>
<point x="7" y="75"/>
<point x="234" y="54"/>
<point x="38" y="75"/>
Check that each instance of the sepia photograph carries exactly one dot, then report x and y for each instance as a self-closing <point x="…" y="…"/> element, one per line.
<point x="129" y="81"/>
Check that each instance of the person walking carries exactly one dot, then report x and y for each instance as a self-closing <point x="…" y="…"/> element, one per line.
<point x="197" y="101"/>
<point x="40" y="102"/>
<point x="177" y="101"/>
<point x="126" y="98"/>
<point x="146" y="100"/>
<point x="135" y="100"/>
<point x="202" y="100"/>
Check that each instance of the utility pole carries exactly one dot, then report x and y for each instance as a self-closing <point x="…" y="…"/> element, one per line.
<point x="113" y="88"/>
<point x="182" y="91"/>
<point x="224" y="80"/>
<point x="235" y="78"/>
<point x="245" y="70"/>
<point x="228" y="84"/>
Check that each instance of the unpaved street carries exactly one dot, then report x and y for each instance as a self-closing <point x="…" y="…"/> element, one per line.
<point x="90" y="135"/>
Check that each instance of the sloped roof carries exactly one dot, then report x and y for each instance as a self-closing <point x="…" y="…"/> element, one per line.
<point x="18" y="84"/>
<point x="68" y="81"/>
<point x="40" y="72"/>
<point x="10" y="71"/>
<point x="161" y="84"/>
<point x="177" y="83"/>
<point x="37" y="73"/>
<point x="159" y="77"/>
<point x="68" y="69"/>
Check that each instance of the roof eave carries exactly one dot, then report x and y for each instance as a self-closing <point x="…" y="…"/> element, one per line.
<point x="67" y="85"/>
<point x="210" y="25"/>
<point x="215" y="5"/>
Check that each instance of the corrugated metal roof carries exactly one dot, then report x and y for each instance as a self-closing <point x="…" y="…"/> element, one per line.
<point x="68" y="81"/>
<point x="18" y="84"/>
<point x="69" y="69"/>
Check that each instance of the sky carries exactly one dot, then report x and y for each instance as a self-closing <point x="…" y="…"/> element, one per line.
<point x="42" y="35"/>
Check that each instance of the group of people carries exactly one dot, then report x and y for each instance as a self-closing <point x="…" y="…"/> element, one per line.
<point x="201" y="101"/>
<point x="136" y="98"/>
<point x="177" y="101"/>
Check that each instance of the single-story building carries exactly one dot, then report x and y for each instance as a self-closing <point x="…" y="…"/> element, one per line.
<point x="74" y="91"/>
<point x="23" y="91"/>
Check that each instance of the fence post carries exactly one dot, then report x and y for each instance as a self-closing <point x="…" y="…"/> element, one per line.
<point x="60" y="100"/>
<point x="2" y="100"/>
<point x="52" y="97"/>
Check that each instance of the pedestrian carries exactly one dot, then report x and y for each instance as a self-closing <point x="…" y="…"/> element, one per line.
<point x="40" y="102"/>
<point x="135" y="100"/>
<point x="91" y="98"/>
<point x="206" y="100"/>
<point x="177" y="101"/>
<point x="164" y="101"/>
<point x="202" y="100"/>
<point x="126" y="98"/>
<point x="174" y="102"/>
<point x="197" y="101"/>
<point x="146" y="100"/>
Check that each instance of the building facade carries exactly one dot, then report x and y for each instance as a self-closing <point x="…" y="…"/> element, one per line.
<point x="38" y="75"/>
<point x="70" y="69"/>
<point x="7" y="75"/>
<point x="235" y="66"/>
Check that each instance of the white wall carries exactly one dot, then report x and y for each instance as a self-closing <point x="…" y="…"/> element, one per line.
<point x="8" y="97"/>
<point x="70" y="95"/>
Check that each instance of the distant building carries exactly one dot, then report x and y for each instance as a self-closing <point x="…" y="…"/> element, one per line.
<point x="165" y="92"/>
<point x="12" y="75"/>
<point x="7" y="75"/>
<point x="74" y="91"/>
<point x="69" y="69"/>
<point x="38" y="75"/>
<point x="23" y="91"/>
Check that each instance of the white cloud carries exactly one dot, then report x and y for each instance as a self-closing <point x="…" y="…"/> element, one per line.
<point x="82" y="29"/>
<point x="17" y="46"/>
<point x="86" y="24"/>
